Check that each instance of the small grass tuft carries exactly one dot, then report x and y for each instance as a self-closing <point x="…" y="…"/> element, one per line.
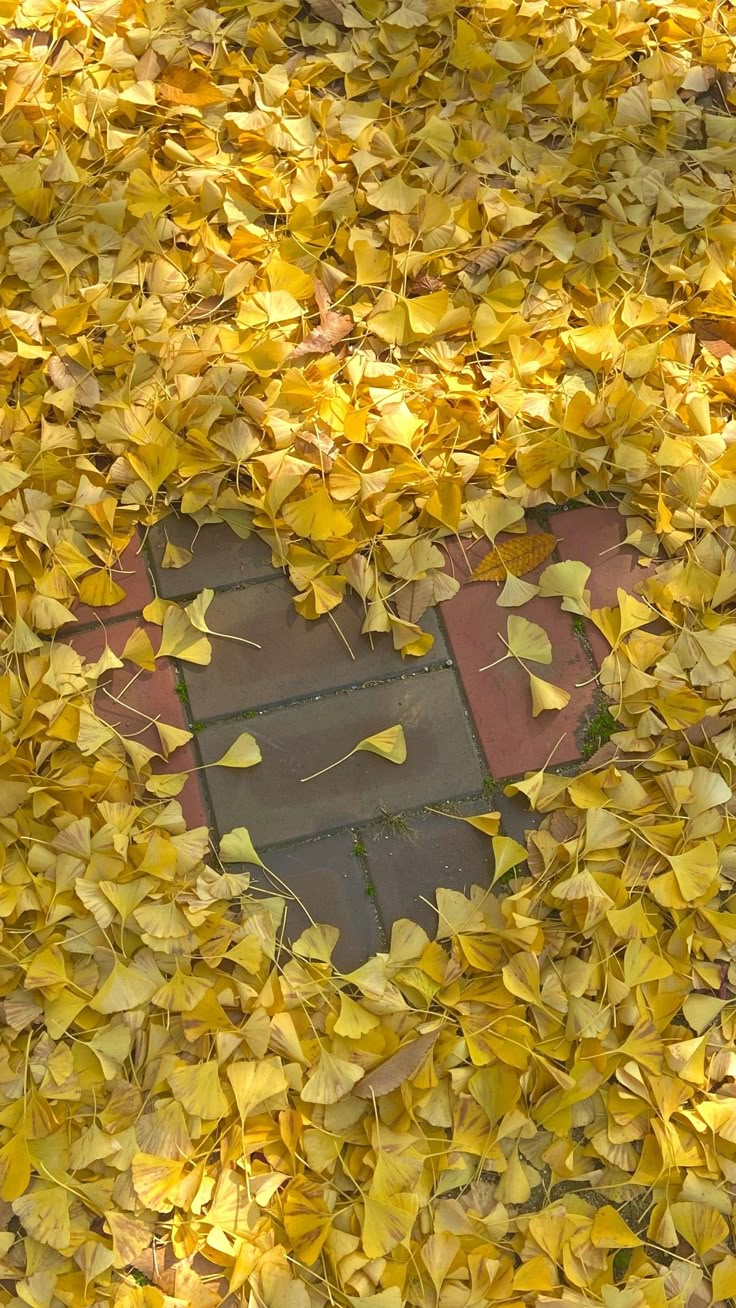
<point x="598" y="730"/>
<point x="395" y="824"/>
<point x="182" y="692"/>
<point x="198" y="726"/>
<point x="490" y="785"/>
<point x="359" y="849"/>
<point x="578" y="626"/>
<point x="370" y="890"/>
<point x="250" y="713"/>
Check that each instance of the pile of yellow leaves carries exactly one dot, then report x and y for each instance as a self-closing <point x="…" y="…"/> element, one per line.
<point x="361" y="275"/>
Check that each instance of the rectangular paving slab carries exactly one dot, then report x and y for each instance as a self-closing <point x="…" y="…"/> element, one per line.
<point x="219" y="557"/>
<point x="596" y="536"/>
<point x="276" y="806"/>
<point x="131" y="700"/>
<point x="499" y="697"/>
<point x="407" y="865"/>
<point x="327" y="882"/>
<point x="297" y="658"/>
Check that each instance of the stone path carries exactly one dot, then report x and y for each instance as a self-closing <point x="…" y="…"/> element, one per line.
<point x="361" y="846"/>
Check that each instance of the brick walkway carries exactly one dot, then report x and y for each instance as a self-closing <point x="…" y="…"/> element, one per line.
<point x="358" y="847"/>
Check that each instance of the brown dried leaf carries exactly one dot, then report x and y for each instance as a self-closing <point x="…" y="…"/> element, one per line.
<point x="489" y="257"/>
<point x="518" y="556"/>
<point x="397" y="1069"/>
<point x="209" y="307"/>
<point x="425" y="285"/>
<point x="66" y="373"/>
<point x="333" y="329"/>
<point x="718" y="335"/>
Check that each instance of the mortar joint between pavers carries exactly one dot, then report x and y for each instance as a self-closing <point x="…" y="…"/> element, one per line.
<point x="360" y="853"/>
<point x="480" y="752"/>
<point x="194" y="727"/>
<point x="330" y="692"/>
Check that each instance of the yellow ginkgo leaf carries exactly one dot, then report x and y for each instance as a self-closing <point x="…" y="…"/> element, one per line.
<point x="702" y="1227"/>
<point x="175" y="556"/>
<point x="695" y="870"/>
<point x="181" y="640"/>
<point x="332" y="1079"/>
<point x="166" y="785"/>
<point x="724" y="1279"/>
<point x="528" y="641"/>
<point x="389" y="744"/>
<point x="609" y="1231"/>
<point x="515" y="592"/>
<point x="317" y="518"/>
<point x="256" y="1083"/>
<point x="545" y="695"/>
<point x="236" y="846"/>
<point x="243" y="753"/>
<point x="307" y="1217"/>
<point x="44" y="1212"/>
<point x="126" y="988"/>
<point x="494" y="513"/>
<point x="388" y="1222"/>
<point x="568" y="580"/>
<point x="15" y="1167"/>
<point x="172" y="738"/>
<point x="507" y="853"/>
<point x="353" y="1020"/>
<point x="139" y="650"/>
<point x="196" y="1086"/>
<point x="196" y="612"/>
<point x="100" y="591"/>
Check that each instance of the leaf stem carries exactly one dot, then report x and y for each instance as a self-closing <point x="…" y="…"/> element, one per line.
<point x="226" y="635"/>
<point x="329" y="767"/>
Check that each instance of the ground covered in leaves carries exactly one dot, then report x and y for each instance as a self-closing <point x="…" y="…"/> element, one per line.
<point x="362" y="277"/>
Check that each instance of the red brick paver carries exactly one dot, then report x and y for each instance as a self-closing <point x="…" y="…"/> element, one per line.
<point x="127" y="697"/>
<point x="131" y="573"/>
<point x="499" y="698"/>
<point x="596" y="537"/>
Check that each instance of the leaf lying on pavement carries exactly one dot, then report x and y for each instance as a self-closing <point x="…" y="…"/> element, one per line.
<point x="389" y="744"/>
<point x="519" y="555"/>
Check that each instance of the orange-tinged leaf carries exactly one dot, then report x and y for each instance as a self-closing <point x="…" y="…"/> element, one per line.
<point x="518" y="556"/>
<point x="188" y="86"/>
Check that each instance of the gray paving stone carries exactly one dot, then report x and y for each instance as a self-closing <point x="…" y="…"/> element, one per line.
<point x="516" y="816"/>
<point x="297" y="657"/>
<point x="407" y="868"/>
<point x="220" y="558"/>
<point x="327" y="878"/>
<point x="276" y="806"/>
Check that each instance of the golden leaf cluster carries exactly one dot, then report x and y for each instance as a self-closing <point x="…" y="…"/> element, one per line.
<point x="360" y="276"/>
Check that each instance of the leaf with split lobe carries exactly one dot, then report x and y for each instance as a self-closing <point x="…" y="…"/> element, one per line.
<point x="332" y="1079"/>
<point x="545" y="695"/>
<point x="236" y="846"/>
<point x="389" y="744"/>
<point x="528" y="641"/>
<point x="181" y="640"/>
<point x="196" y="612"/>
